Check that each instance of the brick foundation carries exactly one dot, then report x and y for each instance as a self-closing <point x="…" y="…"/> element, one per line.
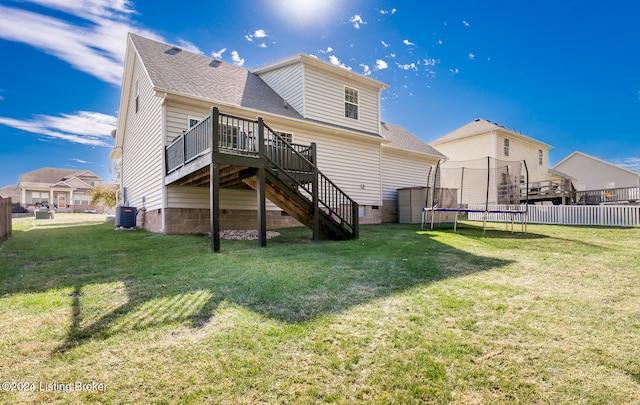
<point x="389" y="211"/>
<point x="191" y="220"/>
<point x="372" y="216"/>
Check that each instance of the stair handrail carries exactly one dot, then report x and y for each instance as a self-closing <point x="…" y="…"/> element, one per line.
<point x="240" y="135"/>
<point x="286" y="158"/>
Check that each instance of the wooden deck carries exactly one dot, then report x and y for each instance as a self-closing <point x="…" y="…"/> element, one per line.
<point x="224" y="151"/>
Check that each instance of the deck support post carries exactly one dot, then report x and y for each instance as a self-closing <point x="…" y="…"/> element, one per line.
<point x="314" y="191"/>
<point x="214" y="181"/>
<point x="261" y="185"/>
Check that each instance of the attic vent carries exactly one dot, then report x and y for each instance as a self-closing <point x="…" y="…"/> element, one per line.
<point x="215" y="63"/>
<point x="173" y="51"/>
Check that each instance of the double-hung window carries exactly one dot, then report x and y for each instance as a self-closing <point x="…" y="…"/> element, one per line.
<point x="506" y="146"/>
<point x="350" y="102"/>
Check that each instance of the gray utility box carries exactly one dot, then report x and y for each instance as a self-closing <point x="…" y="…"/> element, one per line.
<point x="126" y="217"/>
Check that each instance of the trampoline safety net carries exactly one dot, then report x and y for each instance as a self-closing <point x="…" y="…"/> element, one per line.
<point x="486" y="181"/>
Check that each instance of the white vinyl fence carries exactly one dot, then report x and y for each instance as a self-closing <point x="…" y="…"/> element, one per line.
<point x="603" y="215"/>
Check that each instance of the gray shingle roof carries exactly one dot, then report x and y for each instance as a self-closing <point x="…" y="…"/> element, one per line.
<point x="182" y="72"/>
<point x="402" y="139"/>
<point x="481" y="126"/>
<point x="53" y="175"/>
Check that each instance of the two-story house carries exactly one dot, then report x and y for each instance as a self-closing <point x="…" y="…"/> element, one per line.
<point x="481" y="138"/>
<point x="192" y="148"/>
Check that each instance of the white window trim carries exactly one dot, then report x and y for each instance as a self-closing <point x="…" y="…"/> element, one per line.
<point x="192" y="117"/>
<point x="344" y="93"/>
<point x="288" y="137"/>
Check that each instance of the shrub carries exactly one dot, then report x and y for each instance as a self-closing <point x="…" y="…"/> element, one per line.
<point x="16" y="208"/>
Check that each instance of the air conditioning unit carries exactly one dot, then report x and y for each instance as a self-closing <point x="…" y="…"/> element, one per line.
<point x="126" y="217"/>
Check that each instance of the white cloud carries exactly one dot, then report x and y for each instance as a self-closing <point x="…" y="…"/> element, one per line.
<point x="79" y="160"/>
<point x="472" y="56"/>
<point x="256" y="34"/>
<point x="380" y="64"/>
<point x="439" y="42"/>
<point x="218" y="54"/>
<point x="237" y="60"/>
<point x="430" y="61"/>
<point x="1" y="98"/>
<point x="455" y="71"/>
<point x="83" y="127"/>
<point x="631" y="163"/>
<point x="392" y="11"/>
<point x="466" y="24"/>
<point x="408" y="43"/>
<point x="335" y="61"/>
<point x="365" y="69"/>
<point x="329" y="49"/>
<point x="95" y="46"/>
<point x="356" y="20"/>
<point x="386" y="45"/>
<point x="262" y="45"/>
<point x="407" y="66"/>
<point x="189" y="46"/>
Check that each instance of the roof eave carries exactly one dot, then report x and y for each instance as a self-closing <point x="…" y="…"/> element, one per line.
<point x="323" y="65"/>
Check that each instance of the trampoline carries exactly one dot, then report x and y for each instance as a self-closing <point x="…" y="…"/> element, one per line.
<point x="483" y="189"/>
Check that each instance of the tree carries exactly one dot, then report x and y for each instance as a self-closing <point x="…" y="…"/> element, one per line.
<point x="104" y="195"/>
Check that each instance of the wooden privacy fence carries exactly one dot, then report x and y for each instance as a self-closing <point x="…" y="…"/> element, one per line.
<point x="5" y="219"/>
<point x="601" y="215"/>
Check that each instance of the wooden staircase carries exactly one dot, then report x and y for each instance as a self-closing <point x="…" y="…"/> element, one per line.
<point x="231" y="152"/>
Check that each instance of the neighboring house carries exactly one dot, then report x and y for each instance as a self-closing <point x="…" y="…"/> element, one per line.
<point x="591" y="173"/>
<point x="12" y="192"/>
<point x="482" y="138"/>
<point x="64" y="189"/>
<point x="167" y="91"/>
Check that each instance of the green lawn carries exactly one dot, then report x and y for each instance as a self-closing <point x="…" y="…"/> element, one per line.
<point x="399" y="316"/>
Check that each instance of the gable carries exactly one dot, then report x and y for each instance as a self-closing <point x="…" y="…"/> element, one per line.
<point x="318" y="91"/>
<point x="584" y="160"/>
<point x="480" y="126"/>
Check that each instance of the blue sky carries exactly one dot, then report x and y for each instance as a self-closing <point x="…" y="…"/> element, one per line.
<point x="564" y="72"/>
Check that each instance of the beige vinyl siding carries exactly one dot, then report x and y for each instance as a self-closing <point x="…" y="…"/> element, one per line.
<point x="142" y="150"/>
<point x="198" y="197"/>
<point x="522" y="150"/>
<point x="399" y="170"/>
<point x="591" y="174"/>
<point x="288" y="82"/>
<point x="324" y="101"/>
<point x="470" y="148"/>
<point x="177" y="117"/>
<point x="350" y="163"/>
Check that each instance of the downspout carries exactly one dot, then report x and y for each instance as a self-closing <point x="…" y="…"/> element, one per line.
<point x="164" y="161"/>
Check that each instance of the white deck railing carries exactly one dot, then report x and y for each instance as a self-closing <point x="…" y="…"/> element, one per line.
<point x="601" y="215"/>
